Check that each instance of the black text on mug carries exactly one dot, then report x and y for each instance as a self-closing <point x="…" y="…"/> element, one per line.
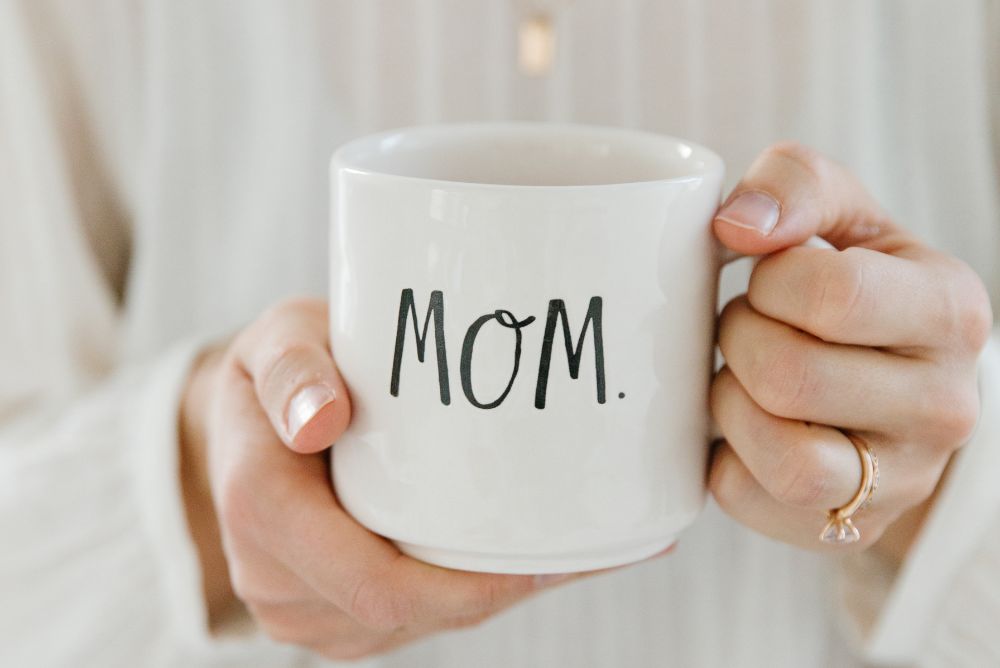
<point x="557" y="313"/>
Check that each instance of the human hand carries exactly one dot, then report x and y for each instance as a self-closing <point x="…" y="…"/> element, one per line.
<point x="878" y="338"/>
<point x="263" y="411"/>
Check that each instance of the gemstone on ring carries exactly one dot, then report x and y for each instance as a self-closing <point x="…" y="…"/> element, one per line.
<point x="840" y="532"/>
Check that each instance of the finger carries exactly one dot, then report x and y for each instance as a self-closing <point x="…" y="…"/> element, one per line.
<point x="387" y="590"/>
<point x="242" y="483"/>
<point x="336" y="635"/>
<point x="794" y="375"/>
<point x="744" y="499"/>
<point x="283" y="502"/>
<point x="798" y="463"/>
<point x="791" y="193"/>
<point x="863" y="297"/>
<point x="813" y="466"/>
<point x="286" y="354"/>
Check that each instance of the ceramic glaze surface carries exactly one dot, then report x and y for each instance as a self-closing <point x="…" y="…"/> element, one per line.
<point x="516" y="255"/>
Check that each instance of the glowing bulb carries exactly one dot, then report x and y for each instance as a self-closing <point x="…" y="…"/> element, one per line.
<point x="537" y="41"/>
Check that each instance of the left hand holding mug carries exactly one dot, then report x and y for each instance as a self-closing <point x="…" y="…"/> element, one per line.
<point x="877" y="338"/>
<point x="256" y="418"/>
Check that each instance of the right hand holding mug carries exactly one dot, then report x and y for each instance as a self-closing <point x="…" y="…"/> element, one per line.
<point x="876" y="339"/>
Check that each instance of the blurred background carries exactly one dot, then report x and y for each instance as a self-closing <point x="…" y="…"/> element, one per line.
<point x="163" y="179"/>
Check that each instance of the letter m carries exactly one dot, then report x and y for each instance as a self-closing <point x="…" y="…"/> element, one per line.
<point x="557" y="311"/>
<point x="436" y="309"/>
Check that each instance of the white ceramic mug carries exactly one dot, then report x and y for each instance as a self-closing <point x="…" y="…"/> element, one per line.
<point x="524" y="315"/>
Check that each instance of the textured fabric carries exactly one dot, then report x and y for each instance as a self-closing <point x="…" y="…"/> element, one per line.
<point x="163" y="170"/>
<point x="889" y="613"/>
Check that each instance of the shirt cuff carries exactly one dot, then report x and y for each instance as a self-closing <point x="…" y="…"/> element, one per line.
<point x="892" y="613"/>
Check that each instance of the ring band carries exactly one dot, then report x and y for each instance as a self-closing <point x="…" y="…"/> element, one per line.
<point x="839" y="529"/>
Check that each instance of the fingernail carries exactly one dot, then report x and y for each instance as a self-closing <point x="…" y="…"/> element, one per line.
<point x="547" y="579"/>
<point x="304" y="406"/>
<point x="752" y="210"/>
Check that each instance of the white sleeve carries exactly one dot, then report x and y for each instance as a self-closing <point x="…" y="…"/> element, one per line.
<point x="942" y="607"/>
<point x="97" y="567"/>
<point x="96" y="562"/>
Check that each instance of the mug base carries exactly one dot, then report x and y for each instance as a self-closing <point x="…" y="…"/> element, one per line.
<point x="484" y="562"/>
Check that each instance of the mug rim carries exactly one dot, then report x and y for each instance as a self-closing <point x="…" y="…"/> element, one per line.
<point x="349" y="156"/>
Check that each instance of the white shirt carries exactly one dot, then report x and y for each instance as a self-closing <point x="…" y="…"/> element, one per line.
<point x="163" y="179"/>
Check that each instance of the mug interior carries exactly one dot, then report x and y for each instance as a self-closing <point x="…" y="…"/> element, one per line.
<point x="527" y="154"/>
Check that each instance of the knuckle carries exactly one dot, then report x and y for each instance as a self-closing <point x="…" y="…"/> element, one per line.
<point x="720" y="389"/>
<point x="804" y="156"/>
<point x="728" y="323"/>
<point x="799" y="478"/>
<point x="230" y="359"/>
<point x="377" y="606"/>
<point x="781" y="380"/>
<point x="973" y="314"/>
<point x="729" y="309"/>
<point x="726" y="328"/>
<point x="283" y="361"/>
<point x="728" y="480"/>
<point x="837" y="291"/>
<point x="285" y="308"/>
<point x="954" y="414"/>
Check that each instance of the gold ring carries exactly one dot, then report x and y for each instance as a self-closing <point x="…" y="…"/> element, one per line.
<point x="839" y="529"/>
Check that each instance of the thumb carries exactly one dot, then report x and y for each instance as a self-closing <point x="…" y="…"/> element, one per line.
<point x="791" y="193"/>
<point x="297" y="383"/>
